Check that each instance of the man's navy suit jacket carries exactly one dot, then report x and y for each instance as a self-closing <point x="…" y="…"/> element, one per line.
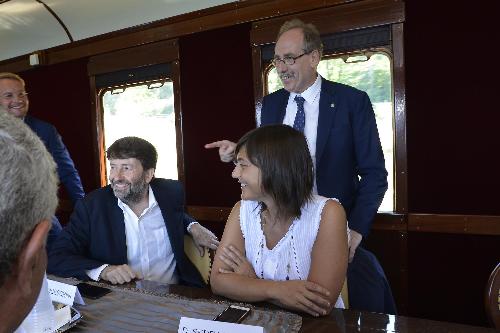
<point x="95" y="234"/>
<point x="347" y="146"/>
<point x="65" y="167"/>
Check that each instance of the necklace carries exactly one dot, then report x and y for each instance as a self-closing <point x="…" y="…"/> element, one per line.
<point x="290" y="244"/>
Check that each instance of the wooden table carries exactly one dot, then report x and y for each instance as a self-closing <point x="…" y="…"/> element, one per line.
<point x="342" y="320"/>
<point x="345" y="321"/>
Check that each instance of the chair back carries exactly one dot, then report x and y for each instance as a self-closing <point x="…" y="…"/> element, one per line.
<point x="202" y="264"/>
<point x="344" y="294"/>
<point x="492" y="298"/>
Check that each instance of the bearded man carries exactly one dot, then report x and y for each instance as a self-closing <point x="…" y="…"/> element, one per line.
<point x="131" y="229"/>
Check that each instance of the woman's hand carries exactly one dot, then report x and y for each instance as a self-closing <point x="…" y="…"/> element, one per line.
<point x="237" y="262"/>
<point x="304" y="296"/>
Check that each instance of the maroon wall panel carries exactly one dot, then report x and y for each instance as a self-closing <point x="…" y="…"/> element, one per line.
<point x="448" y="275"/>
<point x="217" y="103"/>
<point x="60" y="94"/>
<point x="452" y="111"/>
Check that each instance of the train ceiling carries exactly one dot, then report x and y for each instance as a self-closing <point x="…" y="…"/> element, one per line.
<point x="27" y="26"/>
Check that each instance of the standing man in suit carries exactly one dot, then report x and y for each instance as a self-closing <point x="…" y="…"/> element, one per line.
<point x="14" y="100"/>
<point x="339" y="124"/>
<point x="132" y="228"/>
<point x="28" y="199"/>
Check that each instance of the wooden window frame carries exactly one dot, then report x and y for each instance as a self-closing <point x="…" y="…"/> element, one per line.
<point x="144" y="55"/>
<point x="341" y="18"/>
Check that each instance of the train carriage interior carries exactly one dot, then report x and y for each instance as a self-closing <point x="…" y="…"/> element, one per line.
<point x="184" y="73"/>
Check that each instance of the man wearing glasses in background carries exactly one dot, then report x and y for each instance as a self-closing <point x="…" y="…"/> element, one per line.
<point x="339" y="124"/>
<point x="14" y="100"/>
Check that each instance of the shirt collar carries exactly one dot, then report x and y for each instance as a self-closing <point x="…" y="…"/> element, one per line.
<point x="311" y="93"/>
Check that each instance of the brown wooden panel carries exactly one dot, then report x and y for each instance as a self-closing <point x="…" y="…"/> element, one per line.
<point x="400" y="164"/>
<point x="15" y="65"/>
<point x="258" y="73"/>
<point x="455" y="224"/>
<point x="391" y="249"/>
<point x="338" y="18"/>
<point x="176" y="79"/>
<point x="390" y="221"/>
<point x="150" y="54"/>
<point x="214" y="214"/>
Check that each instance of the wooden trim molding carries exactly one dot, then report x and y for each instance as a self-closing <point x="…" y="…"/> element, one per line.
<point x="341" y="17"/>
<point x="179" y="133"/>
<point x="454" y="224"/>
<point x="440" y="223"/>
<point x="399" y="95"/>
<point x="144" y="55"/>
<point x="390" y="221"/>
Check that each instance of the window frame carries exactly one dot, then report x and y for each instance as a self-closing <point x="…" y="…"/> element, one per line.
<point x="340" y="19"/>
<point x="129" y="59"/>
<point x="268" y="66"/>
<point x="100" y="96"/>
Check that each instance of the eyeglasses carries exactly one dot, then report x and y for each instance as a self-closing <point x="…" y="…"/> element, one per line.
<point x="287" y="60"/>
<point x="11" y="96"/>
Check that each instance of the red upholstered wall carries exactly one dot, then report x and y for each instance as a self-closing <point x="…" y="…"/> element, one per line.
<point x="60" y="94"/>
<point x="452" y="109"/>
<point x="453" y="153"/>
<point x="217" y="103"/>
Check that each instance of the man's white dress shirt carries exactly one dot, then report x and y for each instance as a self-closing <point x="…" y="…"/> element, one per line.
<point x="149" y="251"/>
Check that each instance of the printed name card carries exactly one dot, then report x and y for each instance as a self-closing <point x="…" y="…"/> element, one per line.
<point x="64" y="293"/>
<point x="192" y="325"/>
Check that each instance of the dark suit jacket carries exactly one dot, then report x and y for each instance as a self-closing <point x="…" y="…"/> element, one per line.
<point x="95" y="234"/>
<point x="347" y="146"/>
<point x="65" y="167"/>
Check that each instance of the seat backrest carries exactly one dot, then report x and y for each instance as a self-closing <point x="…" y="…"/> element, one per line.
<point x="492" y="297"/>
<point x="202" y="264"/>
<point x="345" y="294"/>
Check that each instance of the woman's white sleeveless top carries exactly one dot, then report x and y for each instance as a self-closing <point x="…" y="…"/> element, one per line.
<point x="290" y="259"/>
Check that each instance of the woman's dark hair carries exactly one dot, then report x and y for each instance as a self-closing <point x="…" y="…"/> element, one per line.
<point x="134" y="147"/>
<point x="286" y="167"/>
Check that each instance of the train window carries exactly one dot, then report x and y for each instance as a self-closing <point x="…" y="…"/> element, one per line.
<point x="369" y="71"/>
<point x="145" y="110"/>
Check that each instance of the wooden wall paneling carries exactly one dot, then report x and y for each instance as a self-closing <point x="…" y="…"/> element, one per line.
<point x="98" y="145"/>
<point x="390" y="221"/>
<point x="179" y="133"/>
<point x="400" y="167"/>
<point x="343" y="17"/>
<point x="258" y="75"/>
<point x="15" y="65"/>
<point x="455" y="224"/>
<point x="448" y="275"/>
<point x="144" y="55"/>
<point x="391" y="249"/>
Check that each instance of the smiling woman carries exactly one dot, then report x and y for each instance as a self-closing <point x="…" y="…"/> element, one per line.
<point x="278" y="238"/>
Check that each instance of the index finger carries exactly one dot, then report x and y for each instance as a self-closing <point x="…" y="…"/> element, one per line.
<point x="215" y="144"/>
